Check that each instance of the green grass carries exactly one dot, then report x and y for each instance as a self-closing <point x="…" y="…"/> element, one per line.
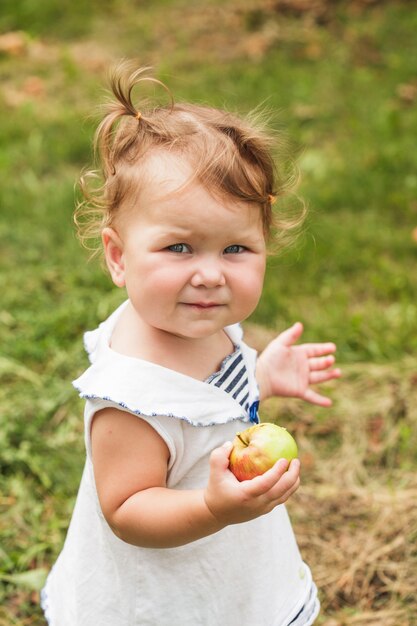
<point x="338" y="88"/>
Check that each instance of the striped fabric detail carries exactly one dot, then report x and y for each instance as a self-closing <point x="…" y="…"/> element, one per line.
<point x="233" y="378"/>
<point x="308" y="613"/>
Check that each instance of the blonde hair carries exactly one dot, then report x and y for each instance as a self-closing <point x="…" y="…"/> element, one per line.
<point x="230" y="156"/>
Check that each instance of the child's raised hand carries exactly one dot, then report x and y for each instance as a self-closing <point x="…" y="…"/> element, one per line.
<point x="284" y="369"/>
<point x="233" y="502"/>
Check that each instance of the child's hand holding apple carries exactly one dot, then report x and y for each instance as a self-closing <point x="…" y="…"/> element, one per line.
<point x="231" y="500"/>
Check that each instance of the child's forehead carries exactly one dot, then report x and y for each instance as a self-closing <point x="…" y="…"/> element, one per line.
<point x="167" y="173"/>
<point x="172" y="179"/>
<point x="172" y="194"/>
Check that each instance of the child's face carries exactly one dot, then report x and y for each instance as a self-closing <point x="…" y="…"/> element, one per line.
<point x="191" y="263"/>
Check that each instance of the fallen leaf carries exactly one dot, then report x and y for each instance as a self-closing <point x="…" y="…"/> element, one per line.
<point x="34" y="87"/>
<point x="407" y="92"/>
<point x="13" y="43"/>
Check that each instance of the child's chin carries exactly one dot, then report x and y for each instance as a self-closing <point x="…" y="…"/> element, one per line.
<point x="200" y="332"/>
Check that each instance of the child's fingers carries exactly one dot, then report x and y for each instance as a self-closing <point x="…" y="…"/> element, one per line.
<point x="283" y="497"/>
<point x="291" y="335"/>
<point x="316" y="398"/>
<point x="319" y="349"/>
<point x="265" y="482"/>
<point x="321" y="362"/>
<point x="288" y="484"/>
<point x="219" y="458"/>
<point x="323" y="377"/>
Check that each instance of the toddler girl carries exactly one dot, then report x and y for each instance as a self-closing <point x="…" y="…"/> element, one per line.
<point x="162" y="533"/>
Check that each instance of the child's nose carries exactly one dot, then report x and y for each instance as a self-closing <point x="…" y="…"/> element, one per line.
<point x="208" y="273"/>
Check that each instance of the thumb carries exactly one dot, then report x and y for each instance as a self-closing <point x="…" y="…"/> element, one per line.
<point x="219" y="458"/>
<point x="291" y="335"/>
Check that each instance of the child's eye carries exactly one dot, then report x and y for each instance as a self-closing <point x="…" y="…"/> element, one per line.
<point x="179" y="248"/>
<point x="234" y="249"/>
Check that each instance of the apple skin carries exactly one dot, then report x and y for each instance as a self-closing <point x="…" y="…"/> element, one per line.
<point x="258" y="448"/>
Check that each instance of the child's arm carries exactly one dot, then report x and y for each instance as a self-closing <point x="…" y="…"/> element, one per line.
<point x="130" y="468"/>
<point x="287" y="370"/>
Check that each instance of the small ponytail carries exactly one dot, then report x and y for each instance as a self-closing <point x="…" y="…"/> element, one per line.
<point x="122" y="83"/>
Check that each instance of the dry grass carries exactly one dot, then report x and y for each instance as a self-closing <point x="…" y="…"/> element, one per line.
<point x="355" y="515"/>
<point x="359" y="543"/>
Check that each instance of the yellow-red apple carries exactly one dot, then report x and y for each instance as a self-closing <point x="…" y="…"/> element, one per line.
<point x="258" y="448"/>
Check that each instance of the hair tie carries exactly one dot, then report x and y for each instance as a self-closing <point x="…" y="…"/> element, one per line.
<point x="271" y="198"/>
<point x="138" y="115"/>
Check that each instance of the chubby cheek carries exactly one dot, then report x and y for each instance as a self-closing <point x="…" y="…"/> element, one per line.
<point x="248" y="290"/>
<point x="159" y="281"/>
<point x="157" y="288"/>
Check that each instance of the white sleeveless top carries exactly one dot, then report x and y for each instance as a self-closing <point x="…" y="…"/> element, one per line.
<point x="248" y="574"/>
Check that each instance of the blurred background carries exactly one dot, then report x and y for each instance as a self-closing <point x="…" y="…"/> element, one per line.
<point x="341" y="78"/>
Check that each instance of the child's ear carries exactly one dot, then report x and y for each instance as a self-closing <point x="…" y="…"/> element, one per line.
<point x="113" y="251"/>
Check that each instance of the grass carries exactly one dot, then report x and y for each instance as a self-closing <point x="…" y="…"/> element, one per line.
<point x="341" y="78"/>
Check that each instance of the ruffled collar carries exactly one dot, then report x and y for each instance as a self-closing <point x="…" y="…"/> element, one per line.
<point x="148" y="389"/>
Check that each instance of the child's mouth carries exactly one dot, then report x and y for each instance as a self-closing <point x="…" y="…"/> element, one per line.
<point x="203" y="305"/>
